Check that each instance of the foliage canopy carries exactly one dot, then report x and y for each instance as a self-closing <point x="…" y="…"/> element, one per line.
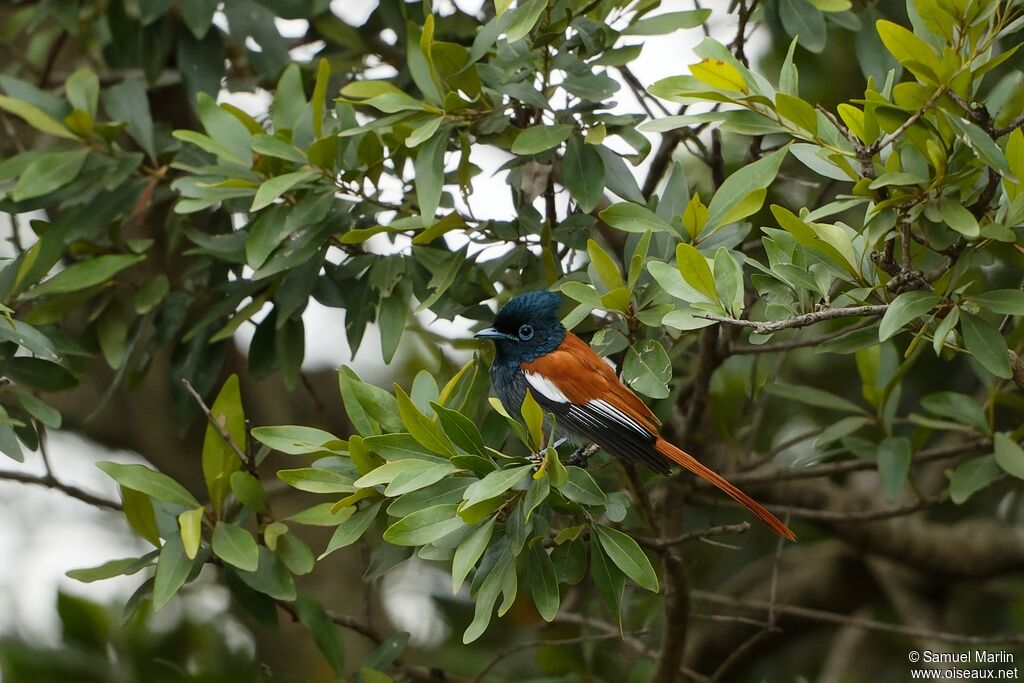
<point x="888" y="219"/>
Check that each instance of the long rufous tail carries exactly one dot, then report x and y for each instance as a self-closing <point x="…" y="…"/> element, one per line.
<point x="687" y="461"/>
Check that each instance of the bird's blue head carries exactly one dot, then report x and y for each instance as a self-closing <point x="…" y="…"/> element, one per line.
<point x="527" y="327"/>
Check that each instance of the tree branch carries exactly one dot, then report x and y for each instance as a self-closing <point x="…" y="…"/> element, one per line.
<point x="720" y="530"/>
<point x="51" y="482"/>
<point x="804" y="320"/>
<point x="860" y="622"/>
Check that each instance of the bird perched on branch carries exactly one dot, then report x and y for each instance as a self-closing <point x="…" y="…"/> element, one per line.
<point x="534" y="352"/>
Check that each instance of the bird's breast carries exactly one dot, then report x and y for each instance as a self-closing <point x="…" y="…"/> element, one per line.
<point x="509" y="384"/>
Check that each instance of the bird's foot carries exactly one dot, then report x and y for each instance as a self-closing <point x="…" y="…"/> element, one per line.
<point x="581" y="455"/>
<point x="538" y="458"/>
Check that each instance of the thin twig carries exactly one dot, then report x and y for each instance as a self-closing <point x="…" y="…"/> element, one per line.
<point x="540" y="642"/>
<point x="859" y="515"/>
<point x="791" y="344"/>
<point x="246" y="460"/>
<point x="804" y="320"/>
<point x="1015" y="124"/>
<point x="53" y="483"/>
<point x="893" y="136"/>
<point x="635" y="644"/>
<point x="829" y="469"/>
<point x="719" y="530"/>
<point x="860" y="622"/>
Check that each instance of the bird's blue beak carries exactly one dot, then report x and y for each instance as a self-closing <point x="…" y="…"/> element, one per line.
<point x="494" y="334"/>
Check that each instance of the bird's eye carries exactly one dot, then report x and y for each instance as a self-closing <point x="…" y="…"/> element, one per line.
<point x="526" y="332"/>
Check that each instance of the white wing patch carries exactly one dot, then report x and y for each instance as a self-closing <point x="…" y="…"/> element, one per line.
<point x="609" y="411"/>
<point x="545" y="387"/>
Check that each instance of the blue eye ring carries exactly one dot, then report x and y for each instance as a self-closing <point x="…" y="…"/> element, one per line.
<point x="525" y="332"/>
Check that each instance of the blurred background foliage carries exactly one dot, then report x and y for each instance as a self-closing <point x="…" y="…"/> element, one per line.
<point x="802" y="247"/>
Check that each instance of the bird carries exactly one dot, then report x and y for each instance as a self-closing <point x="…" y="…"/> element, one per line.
<point x="534" y="352"/>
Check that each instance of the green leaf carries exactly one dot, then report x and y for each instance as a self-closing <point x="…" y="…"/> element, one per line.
<point x="1002" y="301"/>
<point x="798" y="111"/>
<point x="903" y="309"/>
<point x="485" y="598"/>
<point x="144" y="480"/>
<point x="49" y="173"/>
<point x="319" y="98"/>
<point x="583" y="174"/>
<point x="85" y="274"/>
<point x="1009" y="455"/>
<point x="540" y="138"/>
<point x="295" y="554"/>
<point x="695" y="270"/>
<point x="298" y="440"/>
<point x="988" y="347"/>
<point x="522" y="21"/>
<point x="812" y="396"/>
<point x="469" y="552"/>
<point x="381" y="95"/>
<point x="236" y="546"/>
<point x="226" y="129"/>
<point x="429" y="167"/>
<point x="423" y="429"/>
<point x="972" y="476"/>
<point x="138" y="511"/>
<point x="627" y="556"/>
<point x="271" y="577"/>
<point x="50" y="417"/>
<point x="108" y="570"/>
<point x="172" y="568"/>
<point x="82" y="88"/>
<point x="352" y="529"/>
<point x="803" y="21"/>
<point x="28" y="337"/>
<point x="958" y="217"/>
<point x="424" y="526"/>
<point x="404" y="476"/>
<point x="667" y="23"/>
<point x="543" y="582"/>
<point x="35" y="117"/>
<point x="739" y="185"/>
<point x="581" y="488"/>
<point x="648" y="369"/>
<point x="198" y="15"/>
<point x="630" y="217"/>
<point x="958" y="407"/>
<point x="729" y="281"/>
<point x="267" y="145"/>
<point x="219" y="459"/>
<point x="912" y="52"/>
<point x="191" y="524"/>
<point x="607" y="270"/>
<point x="495" y="484"/>
<point x="609" y="581"/>
<point x="9" y="445"/>
<point x="533" y="418"/>
<point x="248" y="491"/>
<point x="273" y="188"/>
<point x="325" y="634"/>
<point x="317" y="480"/>
<point x="128" y="101"/>
<point x="321" y="515"/>
<point x="894" y="455"/>
<point x="460" y="429"/>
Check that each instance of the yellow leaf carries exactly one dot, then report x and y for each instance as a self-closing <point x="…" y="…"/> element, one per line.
<point x="720" y="75"/>
<point x="191" y="524"/>
<point x="533" y="418"/>
<point x="695" y="217"/>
